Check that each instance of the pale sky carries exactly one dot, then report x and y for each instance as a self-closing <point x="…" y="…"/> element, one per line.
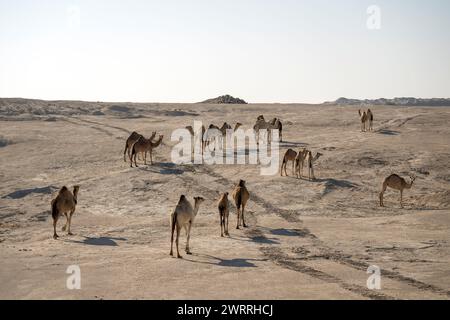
<point x="187" y="51"/>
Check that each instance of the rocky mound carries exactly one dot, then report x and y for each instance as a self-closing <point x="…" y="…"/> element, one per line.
<point x="226" y="99"/>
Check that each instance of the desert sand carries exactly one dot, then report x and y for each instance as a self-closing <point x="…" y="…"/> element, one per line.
<point x="307" y="239"/>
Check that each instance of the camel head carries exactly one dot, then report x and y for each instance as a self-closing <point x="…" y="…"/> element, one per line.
<point x="237" y="126"/>
<point x="225" y="126"/>
<point x="198" y="200"/>
<point x="413" y="178"/>
<point x="75" y="191"/>
<point x="241" y="183"/>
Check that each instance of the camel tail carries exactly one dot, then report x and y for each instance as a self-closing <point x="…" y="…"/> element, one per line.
<point x="239" y="200"/>
<point x="54" y="210"/>
<point x="174" y="221"/>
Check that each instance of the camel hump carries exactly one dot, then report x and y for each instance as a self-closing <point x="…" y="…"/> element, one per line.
<point x="182" y="197"/>
<point x="63" y="189"/>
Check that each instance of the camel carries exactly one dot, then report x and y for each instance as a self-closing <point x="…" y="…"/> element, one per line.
<point x="191" y="131"/>
<point x="261" y="124"/>
<point x="64" y="203"/>
<point x="290" y="155"/>
<point x="310" y="163"/>
<point x="300" y="161"/>
<point x="183" y="217"/>
<point x="144" y="145"/>
<point x="132" y="139"/>
<point x="237" y="126"/>
<point x="276" y="124"/>
<point x="396" y="182"/>
<point x="370" y="119"/>
<point x="240" y="196"/>
<point x="214" y="132"/>
<point x="224" y="214"/>
<point x="363" y="118"/>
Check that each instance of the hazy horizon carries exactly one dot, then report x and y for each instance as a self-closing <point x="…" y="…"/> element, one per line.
<point x="186" y="52"/>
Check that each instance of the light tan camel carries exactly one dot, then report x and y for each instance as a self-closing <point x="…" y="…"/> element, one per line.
<point x="370" y="119"/>
<point x="240" y="196"/>
<point x="290" y="155"/>
<point x="300" y="162"/>
<point x="310" y="163"/>
<point x="396" y="182"/>
<point x="224" y="212"/>
<point x="363" y="118"/>
<point x="183" y="217"/>
<point x="237" y="126"/>
<point x="64" y="203"/>
<point x="143" y="145"/>
<point x="132" y="139"/>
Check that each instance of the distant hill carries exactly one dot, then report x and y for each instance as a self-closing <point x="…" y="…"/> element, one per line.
<point x="393" y="102"/>
<point x="226" y="99"/>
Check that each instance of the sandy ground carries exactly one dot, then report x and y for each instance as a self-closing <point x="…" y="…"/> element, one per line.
<point x="307" y="240"/>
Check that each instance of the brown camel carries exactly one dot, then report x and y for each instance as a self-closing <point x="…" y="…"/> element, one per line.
<point x="64" y="203"/>
<point x="240" y="196"/>
<point x="132" y="139"/>
<point x="143" y="145"/>
<point x="396" y="182"/>
<point x="224" y="212"/>
<point x="290" y="155"/>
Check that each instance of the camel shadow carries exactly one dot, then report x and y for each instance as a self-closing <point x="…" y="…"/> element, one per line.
<point x="235" y="263"/>
<point x="388" y="132"/>
<point x="19" y="194"/>
<point x="164" y="168"/>
<point x="100" y="241"/>
<point x="258" y="239"/>
<point x="288" y="144"/>
<point x="283" y="232"/>
<point x="333" y="183"/>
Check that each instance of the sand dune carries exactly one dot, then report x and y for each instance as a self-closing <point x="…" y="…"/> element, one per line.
<point x="307" y="239"/>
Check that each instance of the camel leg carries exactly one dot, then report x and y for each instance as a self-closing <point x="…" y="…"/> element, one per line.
<point x="221" y="225"/>
<point x="243" y="220"/>
<point x="177" y="241"/>
<point x="67" y="221"/>
<point x="238" y="218"/>
<point x="135" y="163"/>
<point x="383" y="190"/>
<point x="226" y="225"/>
<point x="171" y="237"/>
<point x="188" y="238"/>
<point x="70" y="223"/>
<point x="55" y="235"/>
<point x="145" y="157"/>
<point x="312" y="173"/>
<point x="151" y="156"/>
<point x="293" y="165"/>
<point x="285" y="172"/>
